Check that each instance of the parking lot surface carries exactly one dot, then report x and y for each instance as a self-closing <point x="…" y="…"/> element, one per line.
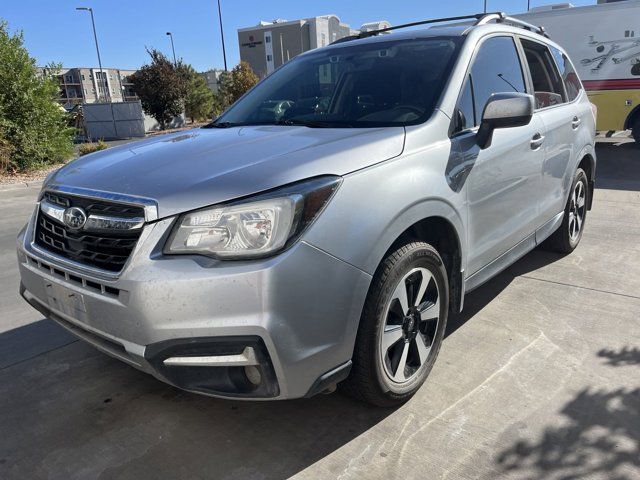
<point x="539" y="378"/>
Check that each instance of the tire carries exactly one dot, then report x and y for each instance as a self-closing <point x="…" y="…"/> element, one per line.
<point x="566" y="238"/>
<point x="635" y="129"/>
<point x="389" y="363"/>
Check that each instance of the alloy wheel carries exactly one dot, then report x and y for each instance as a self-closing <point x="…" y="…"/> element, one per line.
<point x="577" y="210"/>
<point x="410" y="326"/>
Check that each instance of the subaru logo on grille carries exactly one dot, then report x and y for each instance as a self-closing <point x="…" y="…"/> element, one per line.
<point x="74" y="217"/>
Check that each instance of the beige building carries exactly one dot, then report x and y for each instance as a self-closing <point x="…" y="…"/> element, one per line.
<point x="89" y="85"/>
<point x="270" y="44"/>
<point x="212" y="78"/>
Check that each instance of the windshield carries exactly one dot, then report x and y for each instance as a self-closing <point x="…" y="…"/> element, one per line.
<point x="375" y="84"/>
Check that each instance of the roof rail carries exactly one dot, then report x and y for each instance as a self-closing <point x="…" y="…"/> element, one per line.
<point x="481" y="19"/>
<point x="373" y="33"/>
<point x="501" y="17"/>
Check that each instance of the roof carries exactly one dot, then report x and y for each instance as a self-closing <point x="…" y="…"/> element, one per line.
<point x="457" y="29"/>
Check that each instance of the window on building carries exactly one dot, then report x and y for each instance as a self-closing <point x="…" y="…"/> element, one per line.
<point x="496" y="69"/>
<point x="547" y="84"/>
<point x="267" y="39"/>
<point x="571" y="81"/>
<point x="82" y="77"/>
<point x="269" y="58"/>
<point x="324" y="39"/>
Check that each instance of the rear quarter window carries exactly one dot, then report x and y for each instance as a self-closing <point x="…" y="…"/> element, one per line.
<point x="568" y="73"/>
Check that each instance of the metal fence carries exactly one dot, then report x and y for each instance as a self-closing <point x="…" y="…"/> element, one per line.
<point x="112" y="121"/>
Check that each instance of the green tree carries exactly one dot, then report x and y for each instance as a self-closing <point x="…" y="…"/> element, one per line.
<point x="218" y="106"/>
<point x="236" y="83"/>
<point x="224" y="89"/>
<point x="199" y="101"/>
<point x="161" y="87"/>
<point x="33" y="130"/>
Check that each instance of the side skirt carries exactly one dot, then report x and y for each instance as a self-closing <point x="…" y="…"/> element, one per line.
<point x="514" y="254"/>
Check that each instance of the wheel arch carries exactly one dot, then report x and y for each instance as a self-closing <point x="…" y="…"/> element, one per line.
<point x="633" y="114"/>
<point x="439" y="232"/>
<point x="588" y="164"/>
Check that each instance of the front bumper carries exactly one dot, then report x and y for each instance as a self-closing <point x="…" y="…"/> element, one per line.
<point x="299" y="312"/>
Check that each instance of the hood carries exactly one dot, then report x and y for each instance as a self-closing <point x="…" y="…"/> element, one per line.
<point x="195" y="168"/>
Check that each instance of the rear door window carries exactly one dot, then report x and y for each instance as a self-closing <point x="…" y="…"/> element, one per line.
<point x="547" y="83"/>
<point x="571" y="81"/>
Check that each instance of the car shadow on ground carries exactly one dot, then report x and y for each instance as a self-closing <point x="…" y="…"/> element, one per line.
<point x="479" y="298"/>
<point x="599" y="436"/>
<point x="621" y="171"/>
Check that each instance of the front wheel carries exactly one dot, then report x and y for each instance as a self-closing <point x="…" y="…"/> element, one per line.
<point x="402" y="326"/>
<point x="566" y="238"/>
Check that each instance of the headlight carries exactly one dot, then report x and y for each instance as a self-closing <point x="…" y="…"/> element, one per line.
<point x="256" y="227"/>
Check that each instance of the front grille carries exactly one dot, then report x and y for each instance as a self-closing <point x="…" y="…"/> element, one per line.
<point x="94" y="206"/>
<point x="107" y="250"/>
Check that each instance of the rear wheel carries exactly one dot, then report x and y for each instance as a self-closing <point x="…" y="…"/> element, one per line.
<point x="567" y="237"/>
<point x="402" y="326"/>
<point x="635" y="130"/>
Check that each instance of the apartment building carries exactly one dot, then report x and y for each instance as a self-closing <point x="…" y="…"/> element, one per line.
<point x="212" y="78"/>
<point x="268" y="45"/>
<point x="90" y="85"/>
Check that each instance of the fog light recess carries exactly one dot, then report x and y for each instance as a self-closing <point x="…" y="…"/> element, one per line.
<point x="253" y="374"/>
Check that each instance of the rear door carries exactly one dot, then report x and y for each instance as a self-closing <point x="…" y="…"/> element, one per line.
<point x="501" y="181"/>
<point x="561" y="123"/>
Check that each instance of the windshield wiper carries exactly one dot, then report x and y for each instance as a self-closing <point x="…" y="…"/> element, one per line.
<point x="220" y="125"/>
<point x="310" y="123"/>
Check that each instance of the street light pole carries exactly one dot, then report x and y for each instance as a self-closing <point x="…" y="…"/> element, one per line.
<point x="224" y="53"/>
<point x="175" y="63"/>
<point x="485" y="6"/>
<point x="95" y="37"/>
<point x="102" y="75"/>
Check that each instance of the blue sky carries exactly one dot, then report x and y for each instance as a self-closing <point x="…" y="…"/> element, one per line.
<point x="55" y="31"/>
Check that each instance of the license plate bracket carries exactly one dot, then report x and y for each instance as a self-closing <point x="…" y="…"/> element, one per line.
<point x="64" y="299"/>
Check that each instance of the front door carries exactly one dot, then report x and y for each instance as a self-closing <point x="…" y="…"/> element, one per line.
<point x="502" y="185"/>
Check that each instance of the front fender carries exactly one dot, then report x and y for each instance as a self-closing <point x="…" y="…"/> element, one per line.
<point x="374" y="206"/>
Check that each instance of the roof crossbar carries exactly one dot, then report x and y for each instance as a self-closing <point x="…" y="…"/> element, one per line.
<point x="481" y="19"/>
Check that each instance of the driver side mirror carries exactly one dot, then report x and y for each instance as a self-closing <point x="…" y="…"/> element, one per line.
<point x="504" y="110"/>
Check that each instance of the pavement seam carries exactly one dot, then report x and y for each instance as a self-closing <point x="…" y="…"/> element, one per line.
<point x="581" y="287"/>
<point x="38" y="355"/>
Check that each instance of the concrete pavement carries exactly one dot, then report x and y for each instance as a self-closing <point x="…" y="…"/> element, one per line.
<point x="539" y="378"/>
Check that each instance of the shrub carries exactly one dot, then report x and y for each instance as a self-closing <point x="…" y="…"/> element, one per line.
<point x="5" y="153"/>
<point x="86" y="148"/>
<point x="32" y="122"/>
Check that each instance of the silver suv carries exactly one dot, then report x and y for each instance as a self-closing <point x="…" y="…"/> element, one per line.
<point x="324" y="227"/>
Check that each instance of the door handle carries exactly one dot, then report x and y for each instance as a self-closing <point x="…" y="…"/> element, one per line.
<point x="575" y="123"/>
<point x="536" y="141"/>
